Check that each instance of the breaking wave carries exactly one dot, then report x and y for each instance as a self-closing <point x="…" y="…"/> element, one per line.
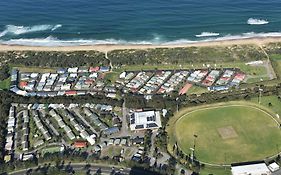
<point x="247" y="35"/>
<point x="18" y="30"/>
<point x="207" y="34"/>
<point x="56" y="27"/>
<point x="52" y="41"/>
<point x="254" y="21"/>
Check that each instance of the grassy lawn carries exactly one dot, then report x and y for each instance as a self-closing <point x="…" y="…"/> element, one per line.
<point x="251" y="70"/>
<point x="107" y="121"/>
<point x="215" y="171"/>
<point x="112" y="76"/>
<point x="52" y="149"/>
<point x="276" y="103"/>
<point x="196" y="90"/>
<point x="257" y="79"/>
<point x="5" y="84"/>
<point x="111" y="151"/>
<point x="247" y="142"/>
<point x="34" y="131"/>
<point x="35" y="69"/>
<point x="276" y="58"/>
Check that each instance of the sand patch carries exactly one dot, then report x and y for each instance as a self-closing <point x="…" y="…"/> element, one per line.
<point x="227" y="132"/>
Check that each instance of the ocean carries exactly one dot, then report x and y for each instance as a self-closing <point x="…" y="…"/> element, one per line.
<point x="91" y="22"/>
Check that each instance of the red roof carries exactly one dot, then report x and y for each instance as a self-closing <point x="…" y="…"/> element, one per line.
<point x="225" y="78"/>
<point x="134" y="89"/>
<point x="185" y="88"/>
<point x="102" y="76"/>
<point x="89" y="81"/>
<point x="240" y="76"/>
<point x="71" y="92"/>
<point x="94" y="69"/>
<point x="159" y="72"/>
<point x="23" y="83"/>
<point x="161" y="90"/>
<point x="80" y="144"/>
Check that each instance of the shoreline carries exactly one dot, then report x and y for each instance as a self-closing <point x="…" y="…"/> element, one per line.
<point x="107" y="47"/>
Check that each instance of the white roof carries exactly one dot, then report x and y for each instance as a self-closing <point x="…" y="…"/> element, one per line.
<point x="141" y="116"/>
<point x="91" y="140"/>
<point x="253" y="169"/>
<point x="274" y="166"/>
<point x="73" y="69"/>
<point x="146" y="118"/>
<point x="122" y="75"/>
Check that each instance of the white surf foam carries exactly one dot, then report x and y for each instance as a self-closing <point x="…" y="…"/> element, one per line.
<point x="18" y="30"/>
<point x="249" y="35"/>
<point x="254" y="21"/>
<point x="52" y="41"/>
<point x="207" y="34"/>
<point x="56" y="27"/>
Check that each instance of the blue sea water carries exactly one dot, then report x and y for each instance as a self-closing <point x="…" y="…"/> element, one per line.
<point x="89" y="22"/>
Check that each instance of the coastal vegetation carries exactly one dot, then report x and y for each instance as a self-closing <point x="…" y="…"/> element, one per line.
<point x="186" y="55"/>
<point x="58" y="59"/>
<point x="49" y="59"/>
<point x="159" y="58"/>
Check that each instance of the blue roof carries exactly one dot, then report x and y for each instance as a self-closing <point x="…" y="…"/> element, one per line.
<point x="61" y="70"/>
<point x="218" y="88"/>
<point x="111" y="130"/>
<point x="104" y="68"/>
<point x="14" y="72"/>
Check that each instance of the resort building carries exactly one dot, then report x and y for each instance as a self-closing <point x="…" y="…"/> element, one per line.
<point x="145" y="120"/>
<point x="250" y="168"/>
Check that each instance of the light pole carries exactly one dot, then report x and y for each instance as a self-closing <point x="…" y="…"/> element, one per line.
<point x="177" y="104"/>
<point x="193" y="149"/>
<point x="224" y="161"/>
<point x="260" y="89"/>
<point x="192" y="155"/>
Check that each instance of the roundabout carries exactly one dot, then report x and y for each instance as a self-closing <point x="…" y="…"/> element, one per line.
<point x="226" y="133"/>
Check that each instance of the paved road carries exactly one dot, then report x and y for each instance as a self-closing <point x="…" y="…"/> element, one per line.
<point x="270" y="71"/>
<point x="103" y="168"/>
<point x="81" y="166"/>
<point x="16" y="128"/>
<point x="277" y="172"/>
<point x="152" y="148"/>
<point x="77" y="112"/>
<point x="124" y="129"/>
<point x="42" y="115"/>
<point x="163" y="159"/>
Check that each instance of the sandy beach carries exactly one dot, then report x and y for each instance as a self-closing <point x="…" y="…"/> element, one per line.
<point x="106" y="48"/>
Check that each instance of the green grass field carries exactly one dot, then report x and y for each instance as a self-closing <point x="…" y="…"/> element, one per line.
<point x="215" y="171"/>
<point x="254" y="136"/>
<point x="51" y="149"/>
<point x="251" y="70"/>
<point x="276" y="61"/>
<point x="5" y="84"/>
<point x="196" y="90"/>
<point x="34" y="69"/>
<point x="275" y="107"/>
